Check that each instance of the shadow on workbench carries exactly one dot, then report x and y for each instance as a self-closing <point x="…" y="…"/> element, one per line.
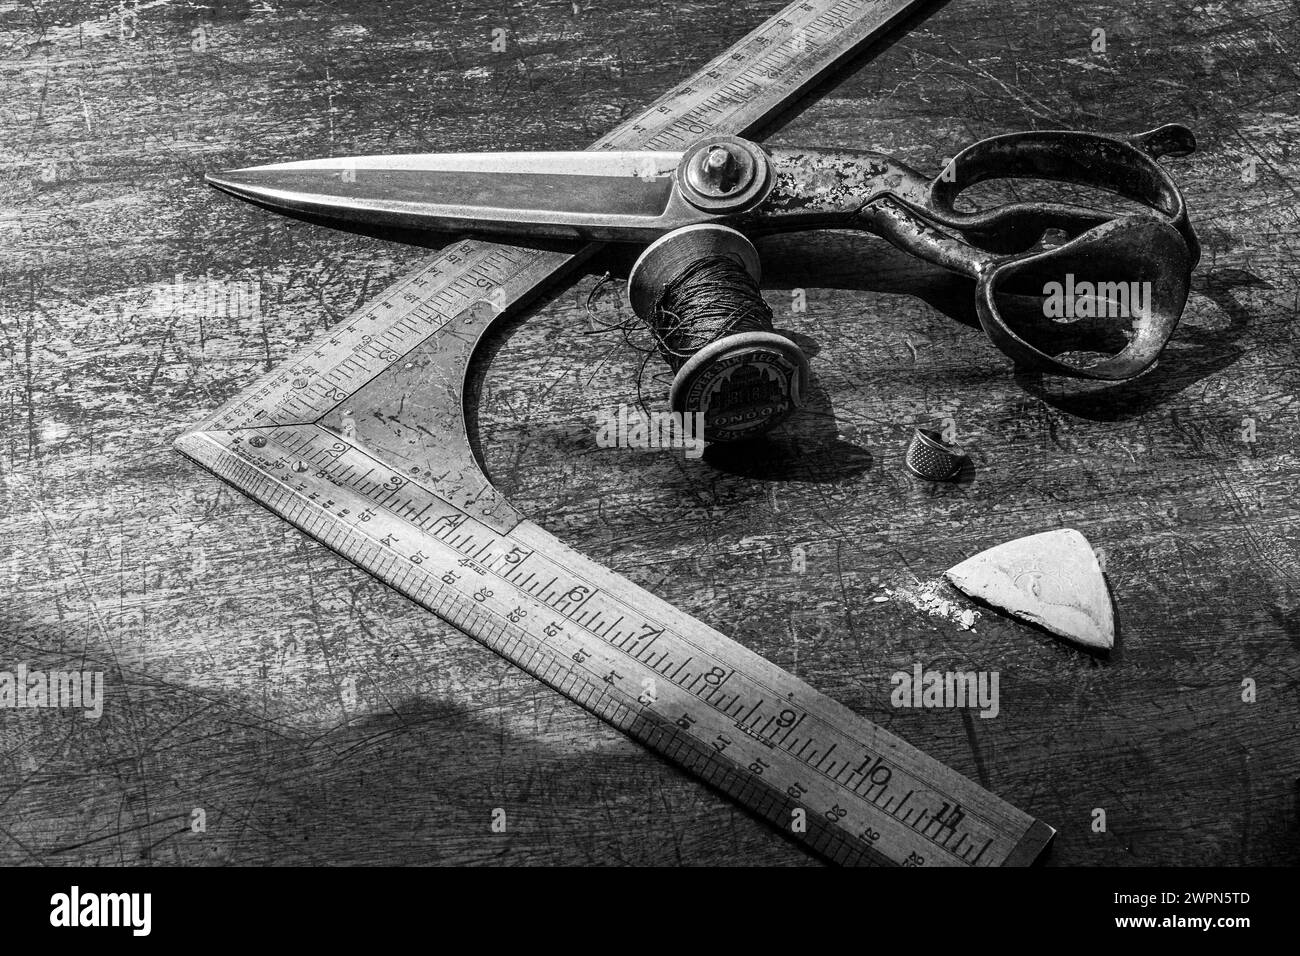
<point x="808" y="447"/>
<point x="298" y="778"/>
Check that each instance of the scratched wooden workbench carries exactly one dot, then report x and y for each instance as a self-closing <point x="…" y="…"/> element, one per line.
<point x="268" y="703"/>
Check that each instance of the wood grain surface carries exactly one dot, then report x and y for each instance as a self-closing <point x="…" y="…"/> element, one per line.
<point x="316" y="717"/>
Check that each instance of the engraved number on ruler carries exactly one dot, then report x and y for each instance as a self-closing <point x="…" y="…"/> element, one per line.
<point x="544" y="599"/>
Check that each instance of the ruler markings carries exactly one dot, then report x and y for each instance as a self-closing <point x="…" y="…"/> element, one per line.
<point x="427" y="304"/>
<point x="458" y="277"/>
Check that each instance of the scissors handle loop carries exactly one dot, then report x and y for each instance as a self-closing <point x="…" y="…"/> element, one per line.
<point x="1023" y="248"/>
<point x="1123" y="166"/>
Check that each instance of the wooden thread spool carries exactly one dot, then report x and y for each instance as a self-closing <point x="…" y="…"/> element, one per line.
<point x="696" y="289"/>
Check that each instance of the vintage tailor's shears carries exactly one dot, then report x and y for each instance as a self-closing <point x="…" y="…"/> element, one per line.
<point x="634" y="196"/>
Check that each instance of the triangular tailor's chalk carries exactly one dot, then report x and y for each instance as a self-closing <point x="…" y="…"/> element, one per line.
<point x="1050" y="579"/>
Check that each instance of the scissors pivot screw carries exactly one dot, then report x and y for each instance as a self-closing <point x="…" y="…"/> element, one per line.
<point x="724" y="174"/>
<point x="719" y="169"/>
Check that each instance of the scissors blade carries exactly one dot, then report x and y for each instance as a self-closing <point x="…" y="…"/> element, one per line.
<point x="610" y="195"/>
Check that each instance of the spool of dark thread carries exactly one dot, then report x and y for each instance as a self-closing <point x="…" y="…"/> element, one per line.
<point x="696" y="289"/>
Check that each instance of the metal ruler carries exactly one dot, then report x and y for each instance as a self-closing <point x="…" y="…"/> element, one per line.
<point x="427" y="521"/>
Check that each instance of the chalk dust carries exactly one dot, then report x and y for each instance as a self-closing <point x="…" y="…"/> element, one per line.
<point x="929" y="597"/>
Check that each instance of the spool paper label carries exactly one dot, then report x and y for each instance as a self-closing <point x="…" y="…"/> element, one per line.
<point x="743" y="393"/>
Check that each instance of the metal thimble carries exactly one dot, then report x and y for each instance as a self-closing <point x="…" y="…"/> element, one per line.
<point x="931" y="458"/>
